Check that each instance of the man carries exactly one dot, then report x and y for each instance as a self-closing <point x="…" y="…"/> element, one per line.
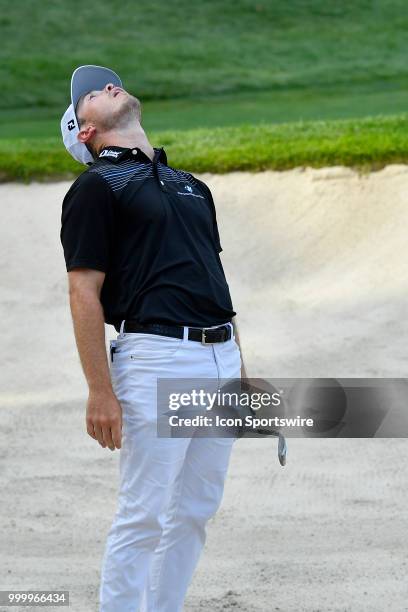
<point x="141" y="247"/>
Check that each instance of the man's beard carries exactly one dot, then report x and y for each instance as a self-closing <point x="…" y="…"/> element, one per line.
<point x="122" y="117"/>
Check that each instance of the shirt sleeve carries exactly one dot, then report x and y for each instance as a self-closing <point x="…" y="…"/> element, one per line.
<point x="214" y="213"/>
<point x="87" y="223"/>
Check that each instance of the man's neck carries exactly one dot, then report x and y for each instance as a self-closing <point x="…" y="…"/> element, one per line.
<point x="129" y="138"/>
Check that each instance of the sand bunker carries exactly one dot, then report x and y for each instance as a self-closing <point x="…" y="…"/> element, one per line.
<point x="316" y="260"/>
<point x="317" y="263"/>
<point x="318" y="268"/>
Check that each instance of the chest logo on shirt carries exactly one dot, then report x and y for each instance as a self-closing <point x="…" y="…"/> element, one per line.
<point x="189" y="192"/>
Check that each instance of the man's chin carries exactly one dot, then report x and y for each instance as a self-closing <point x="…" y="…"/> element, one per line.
<point x="124" y="110"/>
<point x="130" y="106"/>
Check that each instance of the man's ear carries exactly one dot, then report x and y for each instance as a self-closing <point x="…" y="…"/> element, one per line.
<point x="86" y="133"/>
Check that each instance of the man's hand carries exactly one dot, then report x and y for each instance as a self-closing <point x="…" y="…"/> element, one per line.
<point x="104" y="419"/>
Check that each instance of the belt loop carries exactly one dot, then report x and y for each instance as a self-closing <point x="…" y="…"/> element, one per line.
<point x="122" y="325"/>
<point x="185" y="333"/>
<point x="232" y="330"/>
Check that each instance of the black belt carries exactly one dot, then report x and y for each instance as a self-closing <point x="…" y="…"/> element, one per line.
<point x="205" y="335"/>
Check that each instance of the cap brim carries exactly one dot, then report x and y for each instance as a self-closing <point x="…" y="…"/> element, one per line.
<point x="91" y="78"/>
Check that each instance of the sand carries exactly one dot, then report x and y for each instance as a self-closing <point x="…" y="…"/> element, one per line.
<point x="317" y="264"/>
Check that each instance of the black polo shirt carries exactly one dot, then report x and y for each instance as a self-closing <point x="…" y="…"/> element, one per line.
<point x="153" y="230"/>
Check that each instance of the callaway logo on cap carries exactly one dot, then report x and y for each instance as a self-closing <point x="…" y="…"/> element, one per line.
<point x="84" y="79"/>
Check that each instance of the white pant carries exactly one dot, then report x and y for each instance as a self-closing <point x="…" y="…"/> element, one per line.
<point x="169" y="487"/>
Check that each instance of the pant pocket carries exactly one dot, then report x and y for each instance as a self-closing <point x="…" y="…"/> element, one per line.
<point x="136" y="347"/>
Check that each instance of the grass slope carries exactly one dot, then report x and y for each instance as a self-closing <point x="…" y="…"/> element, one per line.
<point x="187" y="50"/>
<point x="206" y="65"/>
<point x="367" y="143"/>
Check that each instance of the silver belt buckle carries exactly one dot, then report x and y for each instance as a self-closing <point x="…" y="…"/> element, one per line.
<point x="203" y="330"/>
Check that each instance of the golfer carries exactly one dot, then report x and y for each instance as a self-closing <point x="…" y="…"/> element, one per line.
<point x="141" y="248"/>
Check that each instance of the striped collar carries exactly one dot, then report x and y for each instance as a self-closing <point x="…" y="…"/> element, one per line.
<point x="116" y="154"/>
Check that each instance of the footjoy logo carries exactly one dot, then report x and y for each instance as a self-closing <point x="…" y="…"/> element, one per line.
<point x="188" y="188"/>
<point x="109" y="153"/>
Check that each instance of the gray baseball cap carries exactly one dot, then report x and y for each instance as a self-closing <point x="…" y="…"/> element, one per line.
<point x="84" y="78"/>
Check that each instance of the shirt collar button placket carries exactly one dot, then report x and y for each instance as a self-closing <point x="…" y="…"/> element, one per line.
<point x="156" y="172"/>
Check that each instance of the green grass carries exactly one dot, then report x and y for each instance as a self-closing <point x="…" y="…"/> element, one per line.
<point x="366" y="143"/>
<point x="265" y="107"/>
<point x="189" y="48"/>
<point x="207" y="65"/>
